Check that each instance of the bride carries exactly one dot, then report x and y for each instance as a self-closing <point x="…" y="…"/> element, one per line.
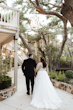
<point x="44" y="94"/>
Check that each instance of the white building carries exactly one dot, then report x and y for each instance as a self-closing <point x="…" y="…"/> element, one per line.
<point x="9" y="31"/>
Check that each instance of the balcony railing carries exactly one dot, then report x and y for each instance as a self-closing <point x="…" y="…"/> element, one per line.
<point x="9" y="16"/>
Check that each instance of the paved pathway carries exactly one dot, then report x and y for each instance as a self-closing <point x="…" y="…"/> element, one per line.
<point x="21" y="101"/>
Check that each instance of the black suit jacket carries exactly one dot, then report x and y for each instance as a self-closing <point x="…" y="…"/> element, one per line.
<point x="28" y="67"/>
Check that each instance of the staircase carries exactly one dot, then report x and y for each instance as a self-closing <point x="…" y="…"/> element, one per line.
<point x="21" y="57"/>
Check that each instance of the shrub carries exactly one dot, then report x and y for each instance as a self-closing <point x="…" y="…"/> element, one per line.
<point x="61" y="77"/>
<point x="62" y="60"/>
<point x="52" y="74"/>
<point x="69" y="74"/>
<point x="57" y="76"/>
<point x="5" y="81"/>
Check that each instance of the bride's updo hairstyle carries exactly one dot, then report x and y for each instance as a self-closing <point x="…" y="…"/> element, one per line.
<point x="43" y="61"/>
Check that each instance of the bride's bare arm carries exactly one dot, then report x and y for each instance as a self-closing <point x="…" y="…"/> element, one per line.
<point x="47" y="69"/>
<point x="39" y="65"/>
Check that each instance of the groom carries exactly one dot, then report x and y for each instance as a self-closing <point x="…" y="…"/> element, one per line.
<point x="28" y="70"/>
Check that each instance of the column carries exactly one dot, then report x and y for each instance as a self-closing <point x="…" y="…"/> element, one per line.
<point x="0" y="56"/>
<point x="72" y="62"/>
<point x="11" y="63"/>
<point x="15" y="59"/>
<point x="15" y="52"/>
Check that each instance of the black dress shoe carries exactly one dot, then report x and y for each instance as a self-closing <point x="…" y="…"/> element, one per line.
<point x="28" y="93"/>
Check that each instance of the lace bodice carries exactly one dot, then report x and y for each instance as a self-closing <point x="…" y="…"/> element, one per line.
<point x="40" y="65"/>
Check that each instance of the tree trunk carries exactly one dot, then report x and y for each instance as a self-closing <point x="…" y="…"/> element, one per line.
<point x="50" y="65"/>
<point x="67" y="10"/>
<point x="53" y="66"/>
<point x="63" y="43"/>
<point x="42" y="52"/>
<point x="68" y="49"/>
<point x="72" y="62"/>
<point x="25" y="44"/>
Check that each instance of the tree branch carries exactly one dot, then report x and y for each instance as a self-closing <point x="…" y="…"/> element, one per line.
<point x="41" y="33"/>
<point x="37" y="2"/>
<point x="54" y="33"/>
<point x="42" y="52"/>
<point x="50" y="4"/>
<point x="41" y="11"/>
<point x="25" y="44"/>
<point x="49" y="56"/>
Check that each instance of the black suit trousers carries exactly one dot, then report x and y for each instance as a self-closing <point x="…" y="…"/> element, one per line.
<point x="28" y="79"/>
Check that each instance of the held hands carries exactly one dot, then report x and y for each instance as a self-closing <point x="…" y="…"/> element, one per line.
<point x="35" y="74"/>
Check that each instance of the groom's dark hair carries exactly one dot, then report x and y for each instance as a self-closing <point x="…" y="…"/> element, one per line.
<point x="30" y="55"/>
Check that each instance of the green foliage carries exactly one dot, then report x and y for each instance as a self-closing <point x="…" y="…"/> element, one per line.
<point x="69" y="74"/>
<point x="52" y="49"/>
<point x="17" y="2"/>
<point x="5" y="83"/>
<point x="54" y="21"/>
<point x="22" y="28"/>
<point x="64" y="61"/>
<point x="3" y="1"/>
<point x="70" y="30"/>
<point x="58" y="2"/>
<point x="53" y="74"/>
<point x="48" y="16"/>
<point x="5" y="80"/>
<point x="22" y="16"/>
<point x="58" y="76"/>
<point x="33" y="39"/>
<point x="61" y="76"/>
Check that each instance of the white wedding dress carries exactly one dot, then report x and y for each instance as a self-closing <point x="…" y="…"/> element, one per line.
<point x="44" y="94"/>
